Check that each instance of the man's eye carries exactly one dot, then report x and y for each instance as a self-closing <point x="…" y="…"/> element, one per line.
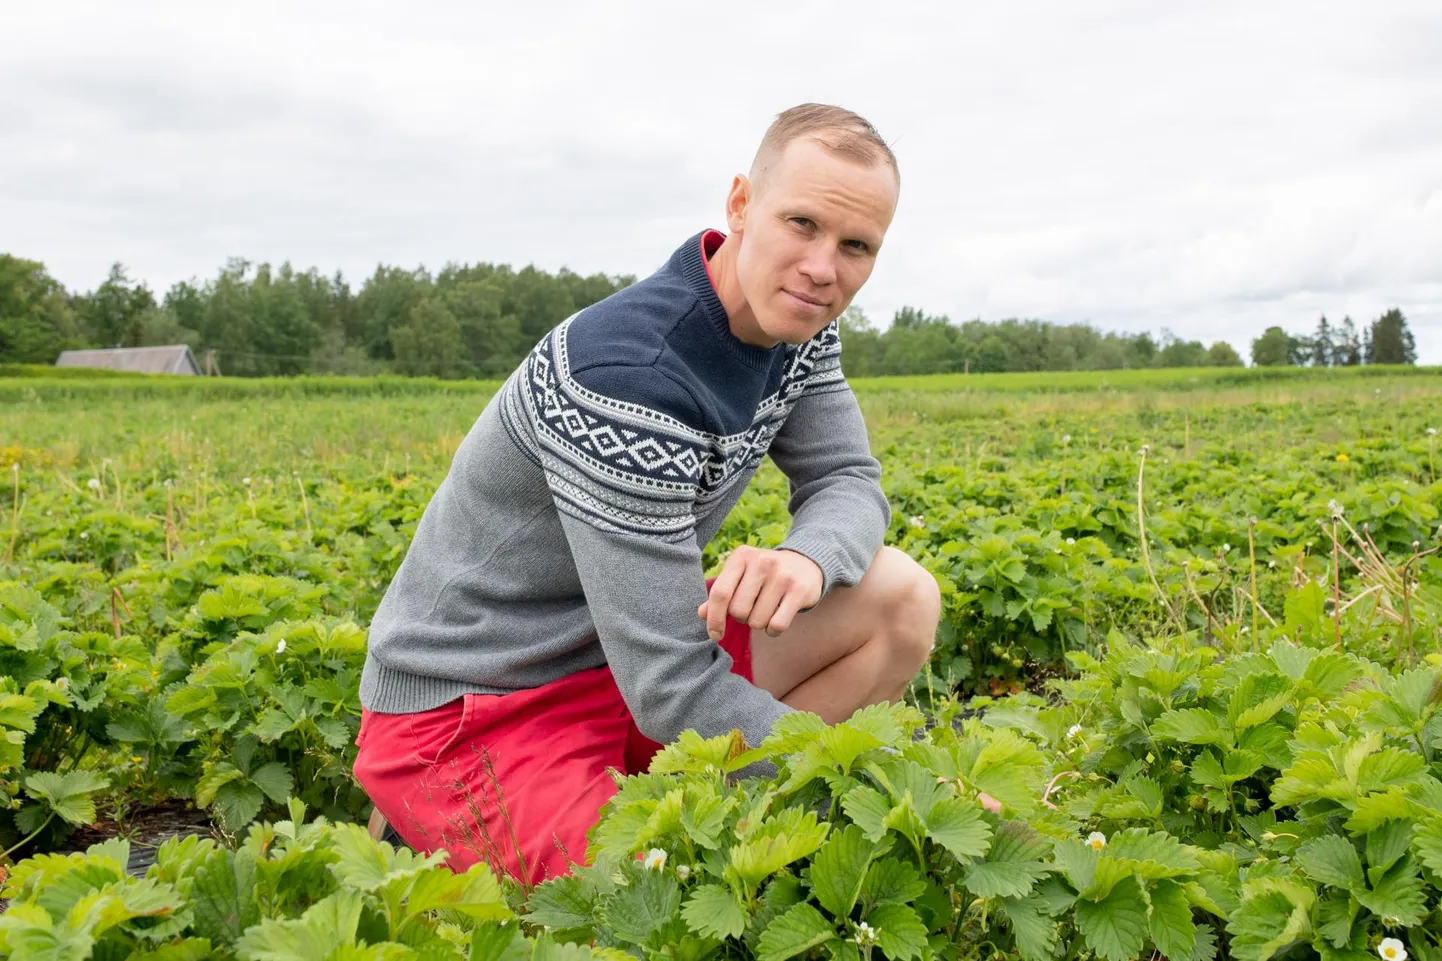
<point x="801" y="221"/>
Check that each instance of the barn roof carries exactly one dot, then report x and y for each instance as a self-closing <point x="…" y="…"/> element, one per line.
<point x="175" y="359"/>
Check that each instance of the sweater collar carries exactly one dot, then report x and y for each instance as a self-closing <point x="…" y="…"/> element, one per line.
<point x="693" y="263"/>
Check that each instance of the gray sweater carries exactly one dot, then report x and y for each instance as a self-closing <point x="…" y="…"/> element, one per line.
<point x="568" y="531"/>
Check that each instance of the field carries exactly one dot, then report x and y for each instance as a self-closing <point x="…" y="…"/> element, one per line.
<point x="1189" y="658"/>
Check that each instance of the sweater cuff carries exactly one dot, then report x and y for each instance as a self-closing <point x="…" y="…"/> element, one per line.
<point x="822" y="551"/>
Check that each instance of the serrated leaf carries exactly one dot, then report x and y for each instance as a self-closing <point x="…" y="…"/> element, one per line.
<point x="274" y="780"/>
<point x="868" y="808"/>
<point x="714" y="911"/>
<point x="237" y="803"/>
<point x="844" y="744"/>
<point x="368" y="865"/>
<point x="891" y="881"/>
<point x="1206" y="946"/>
<point x="798" y="930"/>
<point x="68" y="795"/>
<point x="475" y="894"/>
<point x="1012" y="866"/>
<point x="958" y="826"/>
<point x="1385" y="846"/>
<point x="643" y="907"/>
<point x="1192" y="726"/>
<point x="1399" y="894"/>
<point x="1153" y="855"/>
<point x="499" y="942"/>
<point x="839" y="869"/>
<point x="561" y="903"/>
<point x="222" y="896"/>
<point x="1172" y="929"/>
<point x="1331" y="860"/>
<point x="1427" y="842"/>
<point x="1031" y="927"/>
<point x="1115" y="927"/>
<point x="899" y="932"/>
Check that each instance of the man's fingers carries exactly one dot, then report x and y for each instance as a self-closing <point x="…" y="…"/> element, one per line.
<point x="771" y="597"/>
<point x="785" y="612"/>
<point x="743" y="599"/>
<point x="721" y="590"/>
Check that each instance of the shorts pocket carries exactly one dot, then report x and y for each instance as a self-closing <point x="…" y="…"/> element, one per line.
<point x="435" y="732"/>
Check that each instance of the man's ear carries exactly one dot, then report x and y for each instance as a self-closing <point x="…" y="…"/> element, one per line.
<point x="737" y="203"/>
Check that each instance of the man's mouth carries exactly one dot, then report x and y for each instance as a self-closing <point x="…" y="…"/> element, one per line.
<point x="805" y="301"/>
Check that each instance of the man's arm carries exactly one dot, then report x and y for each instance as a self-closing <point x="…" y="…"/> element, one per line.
<point x="839" y="513"/>
<point x="625" y="482"/>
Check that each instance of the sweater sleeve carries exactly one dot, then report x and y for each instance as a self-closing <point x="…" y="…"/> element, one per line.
<point x="624" y="477"/>
<point x="839" y="513"/>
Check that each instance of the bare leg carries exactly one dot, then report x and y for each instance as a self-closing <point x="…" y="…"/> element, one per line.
<point x="861" y="645"/>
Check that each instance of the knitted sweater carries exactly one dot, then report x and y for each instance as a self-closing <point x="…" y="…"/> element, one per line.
<point x="568" y="531"/>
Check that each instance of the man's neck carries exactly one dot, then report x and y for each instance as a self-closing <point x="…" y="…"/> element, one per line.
<point x="728" y="289"/>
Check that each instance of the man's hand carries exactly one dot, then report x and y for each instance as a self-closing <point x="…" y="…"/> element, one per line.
<point x="763" y="588"/>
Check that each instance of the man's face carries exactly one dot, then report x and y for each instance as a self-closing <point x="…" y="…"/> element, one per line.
<point x="809" y="232"/>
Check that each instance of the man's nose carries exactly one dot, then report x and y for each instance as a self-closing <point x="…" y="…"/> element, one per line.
<point x="820" y="267"/>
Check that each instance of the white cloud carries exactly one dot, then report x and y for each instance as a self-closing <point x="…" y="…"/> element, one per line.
<point x="1209" y="169"/>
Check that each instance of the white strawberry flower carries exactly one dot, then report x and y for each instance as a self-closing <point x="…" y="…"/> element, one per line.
<point x="1096" y="840"/>
<point x="1392" y="950"/>
<point x="63" y="683"/>
<point x="1074" y="731"/>
<point x="85" y="535"/>
<point x="1071" y="540"/>
<point x="655" y="859"/>
<point x="683" y="871"/>
<point x="918" y="521"/>
<point x="93" y="483"/>
<point x="865" y="934"/>
<point x="245" y="481"/>
<point x="1226" y="548"/>
<point x="1431" y="432"/>
<point x="280" y="647"/>
<point x="1066" y="438"/>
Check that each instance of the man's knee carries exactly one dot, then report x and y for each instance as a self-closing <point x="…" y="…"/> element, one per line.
<point x="911" y="609"/>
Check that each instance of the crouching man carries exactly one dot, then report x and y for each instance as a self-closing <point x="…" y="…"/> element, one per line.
<point x="551" y="619"/>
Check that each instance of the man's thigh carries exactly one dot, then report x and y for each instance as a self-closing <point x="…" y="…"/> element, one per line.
<point x="515" y="781"/>
<point x="845" y="620"/>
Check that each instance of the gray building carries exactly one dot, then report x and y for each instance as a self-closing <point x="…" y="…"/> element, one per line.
<point x="176" y="359"/>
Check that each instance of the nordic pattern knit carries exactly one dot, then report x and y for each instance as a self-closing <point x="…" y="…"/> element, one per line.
<point x="568" y="531"/>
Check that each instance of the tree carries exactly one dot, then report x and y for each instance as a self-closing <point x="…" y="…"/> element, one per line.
<point x="1391" y="341"/>
<point x="1272" y="348"/>
<point x="112" y="313"/>
<point x="1176" y="352"/>
<point x="1323" y="350"/>
<point x="1299" y="350"/>
<point x="860" y="343"/>
<point x="429" y="343"/>
<point x="1347" y="347"/>
<point x="1223" y="354"/>
<point x="36" y="320"/>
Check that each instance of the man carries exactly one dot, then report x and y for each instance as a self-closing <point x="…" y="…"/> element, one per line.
<point x="551" y="620"/>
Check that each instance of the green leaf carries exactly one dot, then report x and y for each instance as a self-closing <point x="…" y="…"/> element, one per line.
<point x="761" y="856"/>
<point x="839" y="869"/>
<point x="1399" y="894"/>
<point x="1258" y="698"/>
<point x="223" y="896"/>
<point x="899" y="932"/>
<point x="1153" y="855"/>
<point x="562" y="903"/>
<point x="1427" y="841"/>
<point x="368" y="865"/>
<point x="1031" y="927"/>
<point x="800" y="929"/>
<point x="238" y="802"/>
<point x="68" y="795"/>
<point x="1172" y="928"/>
<point x="1012" y="866"/>
<point x="1386" y="845"/>
<point x="1192" y="726"/>
<point x="892" y="881"/>
<point x="274" y="780"/>
<point x="714" y="911"/>
<point x="868" y="808"/>
<point x="780" y="894"/>
<point x="499" y="942"/>
<point x="641" y="908"/>
<point x="1115" y="927"/>
<point x="1331" y="860"/>
<point x="475" y="894"/>
<point x="958" y="826"/>
<point x="845" y="744"/>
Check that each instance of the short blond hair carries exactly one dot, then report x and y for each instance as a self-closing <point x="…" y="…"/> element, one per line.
<point x="837" y="129"/>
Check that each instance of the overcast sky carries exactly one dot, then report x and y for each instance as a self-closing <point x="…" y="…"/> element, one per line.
<point x="1210" y="168"/>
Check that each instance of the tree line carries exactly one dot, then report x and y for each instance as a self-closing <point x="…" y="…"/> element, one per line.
<point x="1386" y="340"/>
<point x="480" y="320"/>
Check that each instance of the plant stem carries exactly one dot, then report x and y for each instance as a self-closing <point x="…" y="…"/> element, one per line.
<point x="28" y="838"/>
<point x="1146" y="552"/>
<point x="1252" y="556"/>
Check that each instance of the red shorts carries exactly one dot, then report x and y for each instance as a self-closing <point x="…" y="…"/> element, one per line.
<point x="487" y="775"/>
